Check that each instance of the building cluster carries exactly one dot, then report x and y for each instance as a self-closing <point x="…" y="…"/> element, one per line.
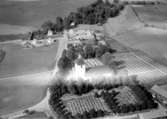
<point x="48" y="40"/>
<point x="79" y="36"/>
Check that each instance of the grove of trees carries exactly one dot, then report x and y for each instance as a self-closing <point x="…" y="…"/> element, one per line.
<point x="86" y="51"/>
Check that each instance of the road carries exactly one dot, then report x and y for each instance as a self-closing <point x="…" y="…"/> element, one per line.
<point x="62" y="45"/>
<point x="42" y="106"/>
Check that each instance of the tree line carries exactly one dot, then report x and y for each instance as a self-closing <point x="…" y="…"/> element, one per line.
<point x="95" y="13"/>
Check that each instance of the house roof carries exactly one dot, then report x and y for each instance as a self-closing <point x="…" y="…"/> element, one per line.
<point x="159" y="90"/>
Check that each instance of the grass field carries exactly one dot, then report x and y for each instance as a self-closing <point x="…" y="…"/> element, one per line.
<point x="150" y="40"/>
<point x="21" y="92"/>
<point x="20" y="61"/>
<point x="153" y="14"/>
<point x="20" y="96"/>
<point x="26" y="15"/>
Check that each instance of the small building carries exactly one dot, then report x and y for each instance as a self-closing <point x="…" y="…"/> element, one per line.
<point x="159" y="113"/>
<point x="160" y="94"/>
<point x="50" y="33"/>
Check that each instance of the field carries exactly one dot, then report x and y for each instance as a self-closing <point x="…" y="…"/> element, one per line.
<point x="147" y="70"/>
<point x="18" y="92"/>
<point x="16" y="95"/>
<point x="127" y="96"/>
<point x="25" y="16"/>
<point x="85" y="103"/>
<point x="149" y="39"/>
<point x="155" y="15"/>
<point x="19" y="61"/>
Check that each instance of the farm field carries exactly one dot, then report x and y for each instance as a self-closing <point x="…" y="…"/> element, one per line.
<point x="19" y="61"/>
<point x="147" y="70"/>
<point x="127" y="96"/>
<point x="150" y="40"/>
<point x="155" y="15"/>
<point x="29" y="15"/>
<point x="16" y="95"/>
<point x="20" y="87"/>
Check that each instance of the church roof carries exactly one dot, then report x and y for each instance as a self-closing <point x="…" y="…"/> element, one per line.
<point x="80" y="60"/>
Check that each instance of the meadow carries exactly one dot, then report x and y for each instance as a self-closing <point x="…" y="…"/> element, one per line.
<point x="21" y="92"/>
<point x="26" y="16"/>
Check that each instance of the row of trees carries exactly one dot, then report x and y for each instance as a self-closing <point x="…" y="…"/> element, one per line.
<point x="97" y="12"/>
<point x="91" y="114"/>
<point x="88" y="50"/>
<point x="2" y="55"/>
<point x="146" y="98"/>
<point x="144" y="2"/>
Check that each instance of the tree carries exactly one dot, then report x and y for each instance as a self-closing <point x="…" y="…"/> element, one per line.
<point x="2" y="55"/>
<point x="107" y="58"/>
<point x="73" y="18"/>
<point x="50" y="117"/>
<point x="71" y="54"/>
<point x="48" y="25"/>
<point x="89" y="51"/>
<point x="65" y="63"/>
<point x="66" y="23"/>
<point x="59" y="24"/>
